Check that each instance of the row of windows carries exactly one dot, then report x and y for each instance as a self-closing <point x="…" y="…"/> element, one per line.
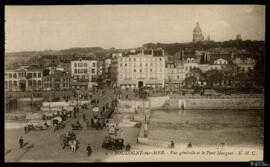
<point x="34" y="82"/>
<point x="83" y="76"/>
<point x="141" y="59"/>
<point x="146" y="65"/>
<point x="83" y="64"/>
<point x="49" y="85"/>
<point x="59" y="79"/>
<point x="16" y="83"/>
<point x="190" y="68"/>
<point x="79" y="71"/>
<point x="221" y="62"/>
<point x="21" y="74"/>
<point x="141" y="70"/>
<point x="140" y="76"/>
<point x="34" y="75"/>
<point x="176" y="71"/>
<point x="214" y="68"/>
<point x="190" y="61"/>
<point x="178" y="76"/>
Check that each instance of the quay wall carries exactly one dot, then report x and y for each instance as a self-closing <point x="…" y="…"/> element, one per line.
<point x="158" y="102"/>
<point x="218" y="102"/>
<point x="196" y="102"/>
<point x="232" y="103"/>
<point x="131" y="105"/>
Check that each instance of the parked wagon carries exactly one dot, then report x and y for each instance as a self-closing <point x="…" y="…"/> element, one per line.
<point x="37" y="126"/>
<point x="113" y="143"/>
<point x="59" y="126"/>
<point x="56" y="120"/>
<point x="98" y="122"/>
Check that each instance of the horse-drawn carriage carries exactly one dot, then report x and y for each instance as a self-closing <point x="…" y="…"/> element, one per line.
<point x="114" y="143"/>
<point x="37" y="126"/>
<point x="69" y="140"/>
<point x="58" y="123"/>
<point x="59" y="126"/>
<point x="76" y="126"/>
<point x="112" y="127"/>
<point x="98" y="122"/>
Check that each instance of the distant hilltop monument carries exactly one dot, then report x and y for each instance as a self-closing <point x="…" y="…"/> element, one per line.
<point x="197" y="34"/>
<point x="238" y="37"/>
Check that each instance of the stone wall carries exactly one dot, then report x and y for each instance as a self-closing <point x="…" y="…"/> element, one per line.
<point x="195" y="102"/>
<point x="158" y="102"/>
<point x="229" y="103"/>
<point x="130" y="105"/>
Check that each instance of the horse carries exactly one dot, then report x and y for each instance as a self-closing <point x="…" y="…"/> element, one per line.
<point x="73" y="145"/>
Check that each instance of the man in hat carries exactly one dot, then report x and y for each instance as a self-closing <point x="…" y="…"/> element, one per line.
<point x="89" y="150"/>
<point x="21" y="142"/>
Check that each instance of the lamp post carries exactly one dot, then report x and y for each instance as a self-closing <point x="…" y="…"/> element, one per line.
<point x="28" y="77"/>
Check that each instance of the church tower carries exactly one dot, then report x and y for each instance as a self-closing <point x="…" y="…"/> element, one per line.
<point x="197" y="34"/>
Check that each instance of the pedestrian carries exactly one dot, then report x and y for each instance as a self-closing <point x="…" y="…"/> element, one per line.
<point x="21" y="142"/>
<point x="89" y="150"/>
<point x="128" y="147"/>
<point x="189" y="145"/>
<point x="87" y="124"/>
<point x="84" y="117"/>
<point x="25" y="129"/>
<point x="172" y="144"/>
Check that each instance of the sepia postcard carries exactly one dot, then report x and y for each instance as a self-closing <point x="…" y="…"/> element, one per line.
<point x="134" y="83"/>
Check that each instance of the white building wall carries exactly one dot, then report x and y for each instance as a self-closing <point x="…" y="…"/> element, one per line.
<point x="84" y="69"/>
<point x="145" y="68"/>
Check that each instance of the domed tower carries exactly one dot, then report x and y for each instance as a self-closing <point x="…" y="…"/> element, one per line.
<point x="197" y="34"/>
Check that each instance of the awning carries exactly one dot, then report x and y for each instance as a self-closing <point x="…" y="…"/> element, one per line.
<point x="96" y="109"/>
<point x="59" y="119"/>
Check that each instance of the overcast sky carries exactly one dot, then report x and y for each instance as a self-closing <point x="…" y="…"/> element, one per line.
<point x="36" y="28"/>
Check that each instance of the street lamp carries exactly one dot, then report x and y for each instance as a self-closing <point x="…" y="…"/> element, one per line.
<point x="28" y="77"/>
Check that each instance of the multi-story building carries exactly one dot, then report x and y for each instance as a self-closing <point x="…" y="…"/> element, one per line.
<point x="245" y="64"/>
<point x="107" y="69"/>
<point x="107" y="65"/>
<point x="66" y="65"/>
<point x="218" y="64"/>
<point x="57" y="81"/>
<point x="174" y="76"/>
<point x="24" y="78"/>
<point x="100" y="67"/>
<point x="143" y="68"/>
<point x="83" y="73"/>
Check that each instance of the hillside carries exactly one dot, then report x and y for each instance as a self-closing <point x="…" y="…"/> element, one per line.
<point x="257" y="47"/>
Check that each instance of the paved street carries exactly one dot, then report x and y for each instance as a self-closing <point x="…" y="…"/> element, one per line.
<point x="45" y="145"/>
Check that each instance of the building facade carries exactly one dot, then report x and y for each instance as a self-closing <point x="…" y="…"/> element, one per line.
<point x="174" y="76"/>
<point x="24" y="78"/>
<point x="57" y="81"/>
<point x="245" y="64"/>
<point x="83" y="73"/>
<point x="146" y="68"/>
